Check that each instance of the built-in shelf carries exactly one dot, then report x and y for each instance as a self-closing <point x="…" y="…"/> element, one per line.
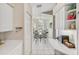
<point x="73" y="10"/>
<point x="71" y="25"/>
<point x="70" y="20"/>
<point x="70" y="6"/>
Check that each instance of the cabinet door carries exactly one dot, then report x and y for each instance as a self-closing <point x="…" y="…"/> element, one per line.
<point x="57" y="20"/>
<point x="60" y="18"/>
<point x="6" y="18"/>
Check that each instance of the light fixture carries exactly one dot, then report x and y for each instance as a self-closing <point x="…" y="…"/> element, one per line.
<point x="39" y="5"/>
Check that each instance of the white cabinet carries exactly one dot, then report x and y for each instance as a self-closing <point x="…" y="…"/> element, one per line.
<point x="6" y="17"/>
<point x="57" y="20"/>
<point x="60" y="23"/>
<point x="60" y="18"/>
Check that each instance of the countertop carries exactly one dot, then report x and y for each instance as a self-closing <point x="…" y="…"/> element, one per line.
<point x="10" y="46"/>
<point x="62" y="48"/>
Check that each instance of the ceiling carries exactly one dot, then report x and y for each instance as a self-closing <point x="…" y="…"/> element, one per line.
<point x="44" y="6"/>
